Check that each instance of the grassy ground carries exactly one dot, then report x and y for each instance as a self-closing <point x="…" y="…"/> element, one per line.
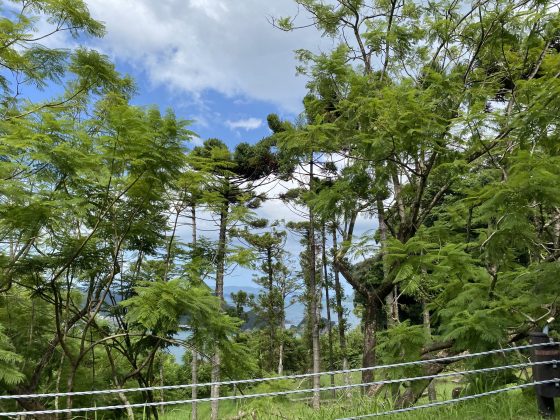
<point x="514" y="406"/>
<point x="510" y="405"/>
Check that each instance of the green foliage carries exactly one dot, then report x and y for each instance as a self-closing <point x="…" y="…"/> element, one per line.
<point x="9" y="361"/>
<point x="158" y="305"/>
<point x="86" y="180"/>
<point x="402" y="343"/>
<point x="439" y="120"/>
<point x="30" y="63"/>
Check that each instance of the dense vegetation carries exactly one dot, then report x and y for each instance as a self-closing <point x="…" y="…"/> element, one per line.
<point x="438" y="122"/>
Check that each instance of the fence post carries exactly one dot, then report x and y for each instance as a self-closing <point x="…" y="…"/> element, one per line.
<point x="546" y="392"/>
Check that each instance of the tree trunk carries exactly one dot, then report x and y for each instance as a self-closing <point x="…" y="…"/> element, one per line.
<point x="281" y="336"/>
<point x="194" y="362"/>
<point x="58" y="377"/>
<point x="391" y="305"/>
<point x="118" y="385"/>
<point x="392" y="308"/>
<point x="170" y="244"/>
<point x="328" y="302"/>
<point x="193" y="223"/>
<point x="124" y="401"/>
<point x="281" y="358"/>
<point x="215" y="389"/>
<point x="271" y="314"/>
<point x="220" y="267"/>
<point x="392" y="315"/>
<point x="162" y="383"/>
<point x="194" y="381"/>
<point x="428" y="327"/>
<point x="340" y="314"/>
<point x="417" y="388"/>
<point x="370" y="321"/>
<point x="221" y="254"/>
<point x="150" y="379"/>
<point x="70" y="388"/>
<point x="315" y="339"/>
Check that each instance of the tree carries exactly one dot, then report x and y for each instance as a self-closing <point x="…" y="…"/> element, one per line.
<point x="78" y="195"/>
<point x="28" y="62"/>
<point x="190" y="186"/>
<point x="230" y="194"/>
<point x="269" y="248"/>
<point x="421" y="97"/>
<point x="300" y="145"/>
<point x="9" y="362"/>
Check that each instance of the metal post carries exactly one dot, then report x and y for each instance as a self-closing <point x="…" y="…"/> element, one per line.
<point x="545" y="393"/>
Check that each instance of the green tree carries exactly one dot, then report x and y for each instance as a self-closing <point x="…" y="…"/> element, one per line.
<point x="230" y="193"/>
<point x="9" y="361"/>
<point x="278" y="285"/>
<point x="422" y="97"/>
<point x="80" y="196"/>
<point x="28" y="64"/>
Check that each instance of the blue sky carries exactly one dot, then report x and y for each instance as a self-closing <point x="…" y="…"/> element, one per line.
<point x="219" y="62"/>
<point x="230" y="119"/>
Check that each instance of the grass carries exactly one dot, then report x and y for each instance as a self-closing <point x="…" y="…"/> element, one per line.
<point x="510" y="405"/>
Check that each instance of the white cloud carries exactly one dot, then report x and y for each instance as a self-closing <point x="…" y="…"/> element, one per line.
<point x="194" y="45"/>
<point x="245" y="124"/>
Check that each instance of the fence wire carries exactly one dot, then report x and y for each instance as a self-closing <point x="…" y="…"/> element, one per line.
<point x="453" y="401"/>
<point x="275" y="378"/>
<point x="290" y="392"/>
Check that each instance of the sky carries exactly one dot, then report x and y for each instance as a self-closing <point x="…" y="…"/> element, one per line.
<point x="220" y="63"/>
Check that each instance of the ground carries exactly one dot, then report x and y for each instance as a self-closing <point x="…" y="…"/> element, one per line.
<point x="517" y="404"/>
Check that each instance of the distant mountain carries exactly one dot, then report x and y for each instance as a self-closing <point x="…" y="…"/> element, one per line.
<point x="296" y="310"/>
<point x="228" y="290"/>
<point x="294" y="316"/>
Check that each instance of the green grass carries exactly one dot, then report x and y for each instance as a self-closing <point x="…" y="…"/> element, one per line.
<point x="510" y="405"/>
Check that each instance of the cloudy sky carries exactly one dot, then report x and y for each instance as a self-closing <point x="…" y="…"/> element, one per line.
<point x="219" y="62"/>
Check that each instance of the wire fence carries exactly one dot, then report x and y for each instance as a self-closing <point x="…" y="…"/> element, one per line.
<point x="299" y="391"/>
<point x="276" y="378"/>
<point x="452" y="401"/>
